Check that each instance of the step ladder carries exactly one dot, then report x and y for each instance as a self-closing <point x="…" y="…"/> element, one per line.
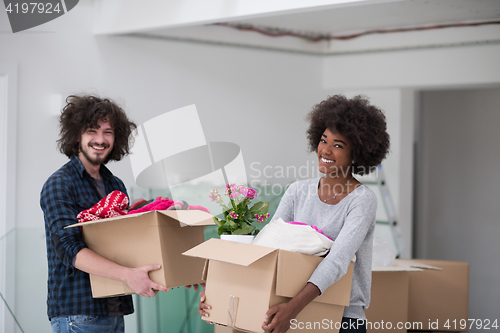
<point x="386" y="227"/>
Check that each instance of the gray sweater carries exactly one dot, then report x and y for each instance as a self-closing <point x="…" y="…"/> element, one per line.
<point x="350" y="223"/>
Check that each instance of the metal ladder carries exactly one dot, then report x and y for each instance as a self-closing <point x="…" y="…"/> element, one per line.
<point x="386" y="226"/>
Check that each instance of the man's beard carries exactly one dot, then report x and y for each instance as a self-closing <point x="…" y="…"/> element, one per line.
<point x="94" y="161"/>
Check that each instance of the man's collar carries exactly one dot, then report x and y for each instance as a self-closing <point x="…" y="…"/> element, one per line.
<point x="103" y="170"/>
<point x="78" y="165"/>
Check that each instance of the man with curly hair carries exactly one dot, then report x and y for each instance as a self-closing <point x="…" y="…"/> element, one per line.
<point x="93" y="131"/>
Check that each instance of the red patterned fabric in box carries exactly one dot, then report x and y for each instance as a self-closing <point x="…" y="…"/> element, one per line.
<point x="114" y="204"/>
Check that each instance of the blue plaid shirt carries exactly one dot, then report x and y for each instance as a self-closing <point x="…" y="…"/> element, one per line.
<point x="66" y="193"/>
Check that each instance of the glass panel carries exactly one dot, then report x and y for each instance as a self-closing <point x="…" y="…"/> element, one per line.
<point x="383" y="233"/>
<point x="8" y="320"/>
<point x="381" y="214"/>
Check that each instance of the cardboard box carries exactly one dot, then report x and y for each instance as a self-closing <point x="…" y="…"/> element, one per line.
<point x="243" y="281"/>
<point x="389" y="300"/>
<point x="439" y="298"/>
<point x="155" y="237"/>
<point x="225" y="329"/>
<point x="390" y="295"/>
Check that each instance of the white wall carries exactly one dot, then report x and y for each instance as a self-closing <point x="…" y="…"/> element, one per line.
<point x="460" y="66"/>
<point x="459" y="188"/>
<point x="253" y="98"/>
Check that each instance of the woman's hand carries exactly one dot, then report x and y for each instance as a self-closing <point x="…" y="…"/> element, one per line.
<point x="284" y="312"/>
<point x="202" y="306"/>
<point x="280" y="323"/>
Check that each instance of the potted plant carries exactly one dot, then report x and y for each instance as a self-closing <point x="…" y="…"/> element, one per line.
<point x="238" y="215"/>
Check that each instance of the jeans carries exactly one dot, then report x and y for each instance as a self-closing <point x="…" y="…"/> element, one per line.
<point x="88" y="324"/>
<point x="351" y="325"/>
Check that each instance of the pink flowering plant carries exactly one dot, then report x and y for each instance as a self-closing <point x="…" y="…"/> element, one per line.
<point x="238" y="215"/>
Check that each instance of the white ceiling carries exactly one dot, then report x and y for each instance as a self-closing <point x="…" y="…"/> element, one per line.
<point x="357" y="18"/>
<point x="385" y="15"/>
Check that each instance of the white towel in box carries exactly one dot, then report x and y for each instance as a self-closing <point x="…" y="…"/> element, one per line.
<point x="293" y="236"/>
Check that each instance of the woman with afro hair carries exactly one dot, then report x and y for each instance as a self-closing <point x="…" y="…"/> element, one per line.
<point x="350" y="138"/>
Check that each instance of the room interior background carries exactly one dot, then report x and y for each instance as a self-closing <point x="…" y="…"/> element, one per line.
<point x="441" y="102"/>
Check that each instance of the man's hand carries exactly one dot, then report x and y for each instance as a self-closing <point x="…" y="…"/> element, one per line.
<point x="280" y="323"/>
<point x="138" y="280"/>
<point x="195" y="286"/>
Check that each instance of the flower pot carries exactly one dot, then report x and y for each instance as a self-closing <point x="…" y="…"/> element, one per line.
<point x="247" y="239"/>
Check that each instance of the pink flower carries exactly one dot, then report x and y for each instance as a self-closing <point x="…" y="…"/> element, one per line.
<point x="261" y="218"/>
<point x="215" y="196"/>
<point x="233" y="215"/>
<point x="229" y="188"/>
<point x="250" y="193"/>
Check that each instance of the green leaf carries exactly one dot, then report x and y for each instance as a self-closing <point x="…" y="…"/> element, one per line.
<point x="261" y="207"/>
<point x="231" y="200"/>
<point x="245" y="230"/>
<point x="248" y="216"/>
<point x="232" y="224"/>
<point x="221" y="230"/>
<point x="217" y="222"/>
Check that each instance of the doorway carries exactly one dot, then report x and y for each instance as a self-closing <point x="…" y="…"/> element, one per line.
<point x="457" y="188"/>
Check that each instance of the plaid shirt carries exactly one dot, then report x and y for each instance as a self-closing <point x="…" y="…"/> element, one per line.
<point x="66" y="193"/>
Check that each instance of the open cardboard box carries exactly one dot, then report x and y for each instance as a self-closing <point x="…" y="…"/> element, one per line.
<point x="416" y="293"/>
<point x="155" y="237"/>
<point x="243" y="281"/>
